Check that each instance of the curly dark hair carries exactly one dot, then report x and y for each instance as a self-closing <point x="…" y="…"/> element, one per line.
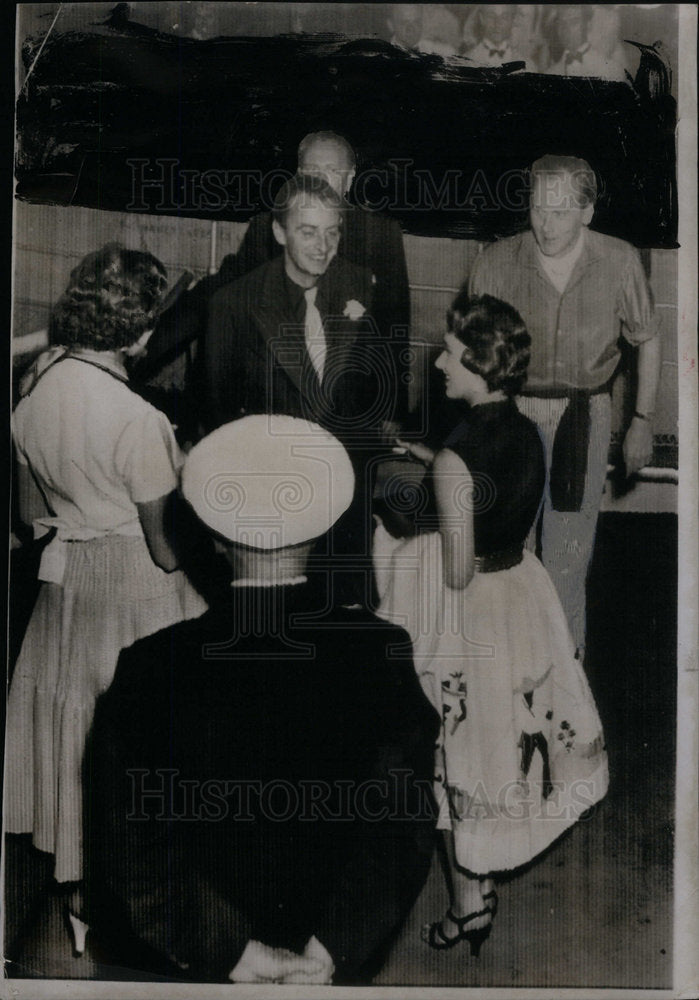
<point x="495" y="339"/>
<point x="111" y="299"/>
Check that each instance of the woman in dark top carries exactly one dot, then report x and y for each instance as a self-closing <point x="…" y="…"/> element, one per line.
<point x="521" y="752"/>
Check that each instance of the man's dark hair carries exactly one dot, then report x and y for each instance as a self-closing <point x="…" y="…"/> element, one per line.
<point x="305" y="188"/>
<point x="496" y="341"/>
<point x="111" y="299"/>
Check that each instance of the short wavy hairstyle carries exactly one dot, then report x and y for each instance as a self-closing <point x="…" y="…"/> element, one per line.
<point x="496" y="341"/>
<point x="306" y="189"/>
<point x="582" y="177"/>
<point x="111" y="299"/>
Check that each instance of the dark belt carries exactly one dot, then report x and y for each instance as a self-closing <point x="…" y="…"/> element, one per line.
<point x="570" y="445"/>
<point x="565" y="393"/>
<point x="493" y="562"/>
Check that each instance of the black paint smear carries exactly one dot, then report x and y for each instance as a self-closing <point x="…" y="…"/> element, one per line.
<point x="95" y="101"/>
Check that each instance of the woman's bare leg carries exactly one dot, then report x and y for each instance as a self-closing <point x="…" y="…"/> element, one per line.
<point x="466" y="894"/>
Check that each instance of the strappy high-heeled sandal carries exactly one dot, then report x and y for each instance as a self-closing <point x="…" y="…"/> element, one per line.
<point x="436" y="938"/>
<point x="491" y="901"/>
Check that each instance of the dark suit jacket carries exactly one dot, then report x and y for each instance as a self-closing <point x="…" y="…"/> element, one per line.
<point x="255" y="357"/>
<point x="368" y="241"/>
<point x="241" y="732"/>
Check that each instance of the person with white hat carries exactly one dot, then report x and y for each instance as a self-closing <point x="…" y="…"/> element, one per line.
<point x="261" y="806"/>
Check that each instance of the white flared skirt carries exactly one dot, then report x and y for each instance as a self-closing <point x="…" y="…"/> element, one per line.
<point x="521" y="751"/>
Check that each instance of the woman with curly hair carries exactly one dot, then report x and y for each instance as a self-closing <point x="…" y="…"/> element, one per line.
<point x="96" y="465"/>
<point x="521" y="753"/>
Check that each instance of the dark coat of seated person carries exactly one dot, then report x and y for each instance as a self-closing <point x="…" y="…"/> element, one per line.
<point x="261" y="777"/>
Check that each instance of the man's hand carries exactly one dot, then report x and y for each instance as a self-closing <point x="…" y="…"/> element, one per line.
<point x="314" y="951"/>
<point x="260" y="963"/>
<point x="418" y="450"/>
<point x="638" y="445"/>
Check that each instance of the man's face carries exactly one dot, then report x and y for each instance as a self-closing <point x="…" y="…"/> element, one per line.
<point x="555" y="214"/>
<point x="406" y="24"/>
<point x="328" y="160"/>
<point x="496" y="22"/>
<point x="310" y="237"/>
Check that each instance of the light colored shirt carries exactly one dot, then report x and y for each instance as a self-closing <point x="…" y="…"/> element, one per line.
<point x="96" y="449"/>
<point x="441" y="27"/>
<point x="487" y="53"/>
<point x="590" y="63"/>
<point x="434" y="47"/>
<point x="575" y="333"/>
<point x="559" y="269"/>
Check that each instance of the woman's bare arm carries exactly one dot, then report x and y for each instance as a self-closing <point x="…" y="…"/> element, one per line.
<point x="151" y="514"/>
<point x="453" y="492"/>
<point x="30" y="499"/>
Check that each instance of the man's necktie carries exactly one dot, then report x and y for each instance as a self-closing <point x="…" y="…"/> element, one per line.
<point x="316" y="344"/>
<point x="500" y="53"/>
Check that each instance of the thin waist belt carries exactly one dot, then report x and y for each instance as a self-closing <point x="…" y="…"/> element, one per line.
<point x="493" y="562"/>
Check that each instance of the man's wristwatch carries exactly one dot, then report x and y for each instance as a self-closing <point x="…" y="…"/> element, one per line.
<point x="643" y="416"/>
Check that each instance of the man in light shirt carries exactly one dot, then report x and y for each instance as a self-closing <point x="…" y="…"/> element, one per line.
<point x="405" y="23"/>
<point x="579" y="58"/>
<point x="577" y="291"/>
<point x="495" y="22"/>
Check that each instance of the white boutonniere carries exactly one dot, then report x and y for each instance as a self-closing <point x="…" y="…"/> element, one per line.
<point x="354" y="309"/>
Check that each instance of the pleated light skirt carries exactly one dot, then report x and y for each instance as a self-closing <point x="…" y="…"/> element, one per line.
<point x="112" y="594"/>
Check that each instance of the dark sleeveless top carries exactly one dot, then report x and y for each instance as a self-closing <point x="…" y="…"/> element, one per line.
<point x="503" y="452"/>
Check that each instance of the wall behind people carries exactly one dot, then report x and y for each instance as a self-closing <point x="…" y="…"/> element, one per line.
<point x="49" y="242"/>
<point x="533" y="32"/>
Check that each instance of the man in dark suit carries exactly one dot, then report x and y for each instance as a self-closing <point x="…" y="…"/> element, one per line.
<point x="269" y="349"/>
<point x="369" y="240"/>
<point x="296" y="336"/>
<point x="260" y="807"/>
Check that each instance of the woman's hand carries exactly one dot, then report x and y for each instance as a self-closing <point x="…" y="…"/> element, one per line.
<point x="418" y="450"/>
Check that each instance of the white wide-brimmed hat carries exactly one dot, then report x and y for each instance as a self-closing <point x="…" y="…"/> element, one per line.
<point x="268" y="481"/>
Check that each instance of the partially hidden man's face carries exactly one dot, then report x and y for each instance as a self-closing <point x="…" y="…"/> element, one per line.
<point x="310" y="237"/>
<point x="328" y="160"/>
<point x="496" y="22"/>
<point x="571" y="31"/>
<point x="556" y="215"/>
<point x="405" y="23"/>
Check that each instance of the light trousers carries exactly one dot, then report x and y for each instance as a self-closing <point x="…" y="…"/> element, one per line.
<point x="568" y="537"/>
